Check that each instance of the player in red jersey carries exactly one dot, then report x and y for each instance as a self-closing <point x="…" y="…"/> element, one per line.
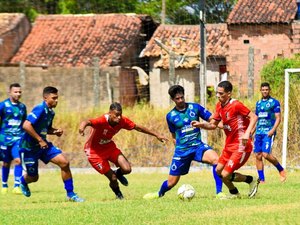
<point x="100" y="148"/>
<point x="238" y="121"/>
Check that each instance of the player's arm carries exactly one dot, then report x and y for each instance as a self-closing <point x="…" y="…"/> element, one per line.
<point x="83" y="125"/>
<point x="276" y="124"/>
<point x="145" y="130"/>
<point x="55" y="131"/>
<point x="253" y="119"/>
<point x="27" y="126"/>
<point x="174" y="138"/>
<point x="212" y="125"/>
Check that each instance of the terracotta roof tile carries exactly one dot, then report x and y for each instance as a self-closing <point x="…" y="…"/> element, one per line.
<point x="74" y="40"/>
<point x="263" y="11"/>
<point x="9" y="20"/>
<point x="184" y="40"/>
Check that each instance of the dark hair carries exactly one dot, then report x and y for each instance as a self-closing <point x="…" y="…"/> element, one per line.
<point x="174" y="90"/>
<point x="226" y="85"/>
<point x="265" y="84"/>
<point x="115" y="106"/>
<point x="14" y="85"/>
<point x="50" y="90"/>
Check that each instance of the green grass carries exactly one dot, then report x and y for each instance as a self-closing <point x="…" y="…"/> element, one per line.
<point x="275" y="203"/>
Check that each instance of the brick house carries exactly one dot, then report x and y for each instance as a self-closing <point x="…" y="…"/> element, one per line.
<point x="14" y="27"/>
<point x="64" y="44"/>
<point x="269" y="27"/>
<point x="184" y="41"/>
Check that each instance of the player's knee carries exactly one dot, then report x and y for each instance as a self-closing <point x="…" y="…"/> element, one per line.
<point x="259" y="156"/>
<point x="17" y="161"/>
<point x="265" y="155"/>
<point x="126" y="170"/>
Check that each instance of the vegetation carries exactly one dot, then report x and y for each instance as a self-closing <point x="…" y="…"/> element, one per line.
<point x="275" y="203"/>
<point x="177" y="12"/>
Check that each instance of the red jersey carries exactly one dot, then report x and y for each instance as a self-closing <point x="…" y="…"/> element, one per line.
<point x="102" y="132"/>
<point x="235" y="120"/>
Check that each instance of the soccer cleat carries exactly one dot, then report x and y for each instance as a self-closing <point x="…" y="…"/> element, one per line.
<point x="74" y="198"/>
<point x="253" y="187"/>
<point x="25" y="190"/>
<point x="122" y="179"/>
<point x="231" y="196"/>
<point x="4" y="190"/>
<point x="119" y="196"/>
<point x="17" y="191"/>
<point x="151" y="196"/>
<point x="220" y="195"/>
<point x="282" y="176"/>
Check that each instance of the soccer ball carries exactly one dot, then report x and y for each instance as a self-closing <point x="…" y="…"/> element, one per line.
<point x="186" y="192"/>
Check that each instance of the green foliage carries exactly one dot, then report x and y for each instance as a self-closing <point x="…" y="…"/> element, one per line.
<point x="177" y="12"/>
<point x="275" y="203"/>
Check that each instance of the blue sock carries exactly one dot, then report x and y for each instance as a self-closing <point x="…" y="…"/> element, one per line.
<point x="261" y="175"/>
<point x="22" y="181"/>
<point x="279" y="167"/>
<point x="17" y="174"/>
<point x="218" y="180"/>
<point x="5" y="174"/>
<point x="164" y="188"/>
<point x="69" y="186"/>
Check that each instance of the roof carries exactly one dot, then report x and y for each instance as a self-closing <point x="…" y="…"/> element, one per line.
<point x="8" y="21"/>
<point x="184" y="40"/>
<point x="74" y="40"/>
<point x="263" y="11"/>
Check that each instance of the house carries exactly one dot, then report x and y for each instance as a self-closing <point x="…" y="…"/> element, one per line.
<point x="183" y="41"/>
<point x="269" y="28"/>
<point x="86" y="55"/>
<point x="14" y="27"/>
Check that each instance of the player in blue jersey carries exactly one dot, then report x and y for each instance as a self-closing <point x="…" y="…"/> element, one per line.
<point x="34" y="145"/>
<point x="269" y="117"/>
<point x="188" y="143"/>
<point x="12" y="115"/>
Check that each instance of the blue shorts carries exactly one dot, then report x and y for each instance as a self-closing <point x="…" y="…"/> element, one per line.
<point x="10" y="152"/>
<point x="263" y="143"/>
<point x="181" y="165"/>
<point x="30" y="158"/>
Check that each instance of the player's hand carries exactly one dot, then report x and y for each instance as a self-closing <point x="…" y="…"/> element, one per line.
<point x="58" y="132"/>
<point x="270" y="133"/>
<point x="81" y="131"/>
<point x="162" y="139"/>
<point x="43" y="144"/>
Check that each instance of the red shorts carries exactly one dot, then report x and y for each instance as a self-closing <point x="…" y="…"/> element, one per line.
<point x="234" y="159"/>
<point x="99" y="159"/>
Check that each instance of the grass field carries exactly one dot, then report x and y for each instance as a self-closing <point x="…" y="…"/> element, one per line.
<point x="275" y="203"/>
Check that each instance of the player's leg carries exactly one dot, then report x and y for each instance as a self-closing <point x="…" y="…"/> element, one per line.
<point x="211" y="157"/>
<point x="113" y="183"/>
<point x="258" y="146"/>
<point x="54" y="155"/>
<point x="5" y="168"/>
<point x="124" y="168"/>
<point x="267" y="154"/>
<point x="17" y="168"/>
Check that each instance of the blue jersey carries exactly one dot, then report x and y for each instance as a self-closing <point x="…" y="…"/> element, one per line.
<point x="179" y="122"/>
<point x="12" y="117"/>
<point x="41" y="118"/>
<point x="265" y="110"/>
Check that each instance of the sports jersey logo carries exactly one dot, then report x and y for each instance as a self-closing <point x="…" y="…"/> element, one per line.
<point x="13" y="122"/>
<point x="105" y="131"/>
<point x="262" y="114"/>
<point x="227" y="115"/>
<point x="173" y="167"/>
<point x="268" y="105"/>
<point x="99" y="166"/>
<point x="192" y="114"/>
<point x="227" y="127"/>
<point x="230" y="163"/>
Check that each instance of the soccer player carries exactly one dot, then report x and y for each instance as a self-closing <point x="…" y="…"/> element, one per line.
<point x="100" y="149"/>
<point x="187" y="141"/>
<point x="269" y="116"/>
<point x="238" y="122"/>
<point x="12" y="115"/>
<point x="34" y="145"/>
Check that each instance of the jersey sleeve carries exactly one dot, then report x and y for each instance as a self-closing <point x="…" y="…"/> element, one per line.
<point x="241" y="108"/>
<point x="277" y="107"/>
<point x="171" y="126"/>
<point x="95" y="121"/>
<point x="127" y="123"/>
<point x="35" y="114"/>
<point x="216" y="115"/>
<point x="204" y="113"/>
<point x="1" y="109"/>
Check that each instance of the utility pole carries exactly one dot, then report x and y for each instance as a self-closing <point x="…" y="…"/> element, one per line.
<point x="202" y="75"/>
<point x="163" y="11"/>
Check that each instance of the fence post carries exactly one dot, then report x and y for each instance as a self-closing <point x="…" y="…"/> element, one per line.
<point x="96" y="83"/>
<point x="22" y="70"/>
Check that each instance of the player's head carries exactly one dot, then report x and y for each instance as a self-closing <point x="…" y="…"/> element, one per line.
<point x="176" y="93"/>
<point x="15" y="92"/>
<point x="115" y="113"/>
<point x="265" y="89"/>
<point x="50" y="95"/>
<point x="224" y="91"/>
